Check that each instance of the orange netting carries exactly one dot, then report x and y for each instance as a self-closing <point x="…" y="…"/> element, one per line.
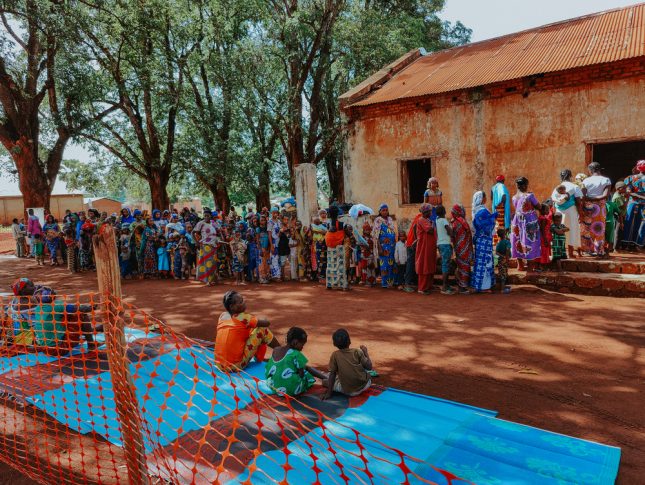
<point x="94" y="390"/>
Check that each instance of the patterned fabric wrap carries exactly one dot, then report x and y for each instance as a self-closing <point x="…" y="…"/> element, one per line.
<point x="207" y="263"/>
<point x="592" y="226"/>
<point x="484" y="268"/>
<point x="463" y="245"/>
<point x="336" y="273"/>
<point x="525" y="229"/>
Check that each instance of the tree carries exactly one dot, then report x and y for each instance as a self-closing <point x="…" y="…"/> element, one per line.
<point x="46" y="94"/>
<point x="142" y="48"/>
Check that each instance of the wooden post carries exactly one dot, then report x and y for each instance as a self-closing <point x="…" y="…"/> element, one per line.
<point x="125" y="399"/>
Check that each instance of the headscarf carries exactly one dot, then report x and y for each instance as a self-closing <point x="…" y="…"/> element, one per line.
<point x="137" y="212"/>
<point x="500" y="178"/>
<point x="458" y="211"/>
<point x="478" y="198"/>
<point x="87" y="226"/>
<point x="640" y="166"/>
<point x="580" y="177"/>
<point x="425" y="208"/>
<point x="156" y="214"/>
<point x="19" y="285"/>
<point x="382" y="206"/>
<point x="45" y="294"/>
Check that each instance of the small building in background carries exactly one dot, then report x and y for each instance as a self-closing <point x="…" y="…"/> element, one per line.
<point x="12" y="206"/>
<point x="526" y="104"/>
<point x="103" y="204"/>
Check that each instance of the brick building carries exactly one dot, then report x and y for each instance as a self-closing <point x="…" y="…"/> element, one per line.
<point x="529" y="103"/>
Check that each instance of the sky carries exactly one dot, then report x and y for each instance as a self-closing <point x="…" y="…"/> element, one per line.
<point x="492" y="18"/>
<point x="487" y="19"/>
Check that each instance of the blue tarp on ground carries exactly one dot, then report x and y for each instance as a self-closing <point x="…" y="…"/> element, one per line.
<point x="178" y="395"/>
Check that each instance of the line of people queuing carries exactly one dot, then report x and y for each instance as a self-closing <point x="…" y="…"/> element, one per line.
<point x="583" y="215"/>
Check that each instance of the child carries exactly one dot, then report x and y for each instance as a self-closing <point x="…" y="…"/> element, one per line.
<point x="85" y="246"/>
<point x="240" y="335"/>
<point x="287" y="370"/>
<point x="38" y="249"/>
<point x="400" y="258"/>
<point x="503" y="251"/>
<point x="444" y="234"/>
<point x="558" y="244"/>
<point x="124" y="252"/>
<point x="180" y="268"/>
<point x="348" y="368"/>
<point x="545" y="220"/>
<point x="238" y="248"/>
<point x="163" y="259"/>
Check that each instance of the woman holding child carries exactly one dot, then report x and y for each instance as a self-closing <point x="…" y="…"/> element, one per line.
<point x="568" y="197"/>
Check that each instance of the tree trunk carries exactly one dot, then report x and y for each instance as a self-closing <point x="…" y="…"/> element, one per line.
<point x="158" y="183"/>
<point x="263" y="198"/>
<point x="334" y="167"/>
<point x="32" y="179"/>
<point x="222" y="198"/>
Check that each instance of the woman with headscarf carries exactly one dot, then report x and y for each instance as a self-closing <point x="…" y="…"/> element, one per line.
<point x="526" y="244"/>
<point x="596" y="190"/>
<point x="634" y="225"/>
<point x="147" y="249"/>
<point x="385" y="234"/>
<point x="501" y="202"/>
<point x="462" y="241"/>
<point x="483" y="277"/>
<point x="566" y="202"/>
<point x="125" y="217"/>
<point x="274" y="225"/>
<point x="319" y="262"/>
<point x="426" y="250"/>
<point x="207" y="261"/>
<point x="20" y="312"/>
<point x="336" y="276"/>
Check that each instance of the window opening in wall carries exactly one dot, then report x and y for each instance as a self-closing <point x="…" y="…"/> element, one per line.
<point x="618" y="159"/>
<point x="414" y="178"/>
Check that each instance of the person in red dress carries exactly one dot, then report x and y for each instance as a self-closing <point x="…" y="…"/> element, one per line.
<point x="426" y="253"/>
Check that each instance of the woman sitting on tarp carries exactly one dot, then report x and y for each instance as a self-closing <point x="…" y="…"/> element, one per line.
<point x="59" y="325"/>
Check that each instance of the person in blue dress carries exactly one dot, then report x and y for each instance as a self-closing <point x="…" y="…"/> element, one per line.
<point x="163" y="258"/>
<point x="483" y="276"/>
<point x="385" y="234"/>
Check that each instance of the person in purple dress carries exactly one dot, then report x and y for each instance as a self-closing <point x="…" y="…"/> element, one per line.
<point x="525" y="229"/>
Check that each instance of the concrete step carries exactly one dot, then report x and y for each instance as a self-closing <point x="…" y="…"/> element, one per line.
<point x="615" y="266"/>
<point x="585" y="283"/>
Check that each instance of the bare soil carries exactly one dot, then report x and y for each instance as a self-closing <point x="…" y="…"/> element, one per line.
<point x="567" y="363"/>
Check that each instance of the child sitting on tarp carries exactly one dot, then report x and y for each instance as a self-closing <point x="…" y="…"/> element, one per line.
<point x="240" y="335"/>
<point x="349" y="369"/>
<point x="287" y="370"/>
<point x="17" y="324"/>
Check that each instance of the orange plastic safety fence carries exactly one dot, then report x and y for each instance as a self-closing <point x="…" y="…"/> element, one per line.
<point x="94" y="390"/>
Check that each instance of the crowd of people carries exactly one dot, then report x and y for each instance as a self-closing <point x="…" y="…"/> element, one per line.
<point x="583" y="215"/>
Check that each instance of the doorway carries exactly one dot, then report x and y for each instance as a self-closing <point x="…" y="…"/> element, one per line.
<point x="618" y="159"/>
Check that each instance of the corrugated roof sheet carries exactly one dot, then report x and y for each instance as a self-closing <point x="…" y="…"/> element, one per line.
<point x="594" y="39"/>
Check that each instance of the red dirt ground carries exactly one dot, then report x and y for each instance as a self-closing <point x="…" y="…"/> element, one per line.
<point x="567" y="363"/>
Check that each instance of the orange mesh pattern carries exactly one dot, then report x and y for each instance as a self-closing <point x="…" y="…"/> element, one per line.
<point x="176" y="418"/>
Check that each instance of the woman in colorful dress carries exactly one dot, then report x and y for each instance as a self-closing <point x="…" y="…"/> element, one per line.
<point x="525" y="228"/>
<point x="462" y="241"/>
<point x="308" y="253"/>
<point x="336" y="275"/>
<point x="51" y="230"/>
<point x="483" y="277"/>
<point x="147" y="249"/>
<point x="385" y="234"/>
<point x="501" y="202"/>
<point x="265" y="247"/>
<point x="634" y="227"/>
<point x="319" y="229"/>
<point x="207" y="262"/>
<point x="425" y="262"/>
<point x="433" y="195"/>
<point x="596" y="190"/>
<point x="274" y="225"/>
<point x="567" y="202"/>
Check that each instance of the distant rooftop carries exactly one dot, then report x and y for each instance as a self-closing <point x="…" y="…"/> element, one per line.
<point x="598" y="38"/>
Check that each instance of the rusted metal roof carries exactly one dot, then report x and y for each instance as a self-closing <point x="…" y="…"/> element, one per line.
<point x="599" y="38"/>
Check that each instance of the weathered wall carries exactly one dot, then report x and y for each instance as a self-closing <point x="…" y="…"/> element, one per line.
<point x="12" y="206"/>
<point x="105" y="205"/>
<point x="534" y="135"/>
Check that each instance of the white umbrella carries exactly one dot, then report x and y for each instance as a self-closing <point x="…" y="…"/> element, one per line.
<point x="358" y="208"/>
